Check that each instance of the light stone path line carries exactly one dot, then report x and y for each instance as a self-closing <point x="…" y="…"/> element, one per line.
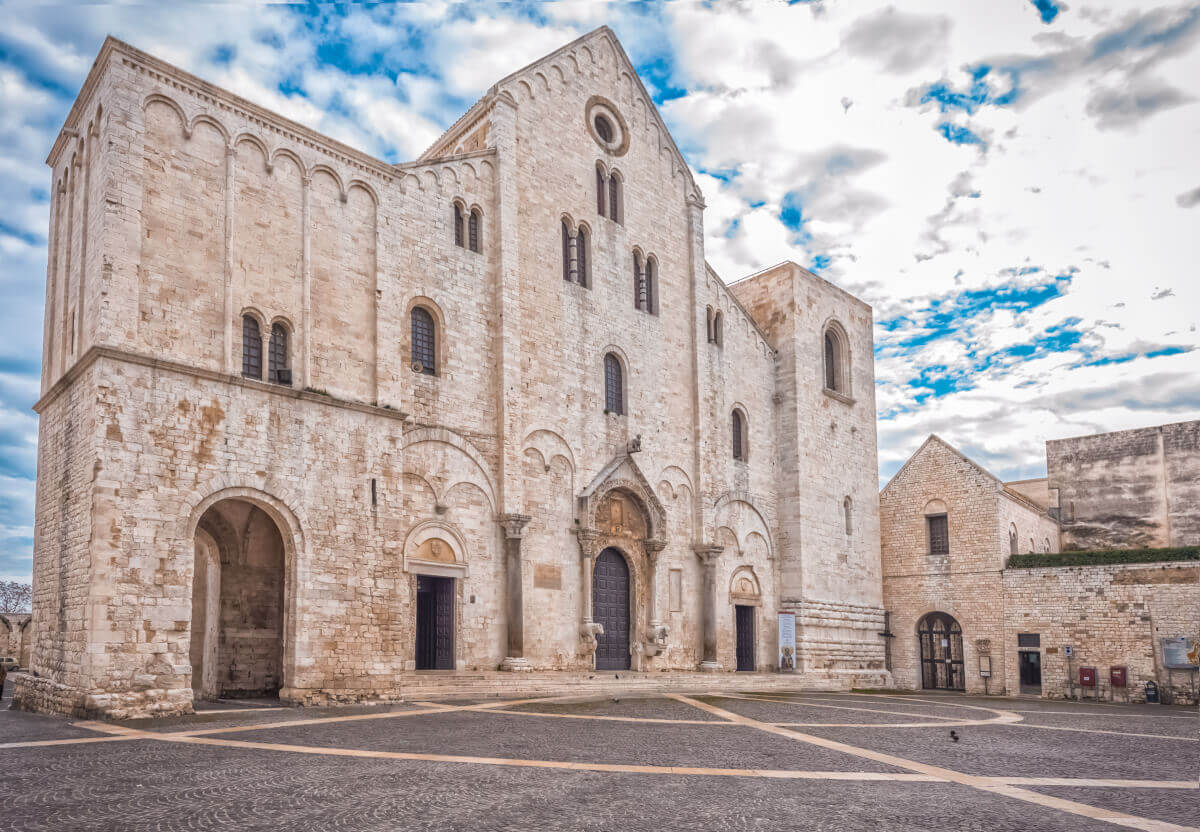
<point x="1192" y="717"/>
<point x="1183" y="785"/>
<point x="73" y="741"/>
<point x="1103" y="731"/>
<point x="440" y="709"/>
<point x="950" y="775"/>
<point x="836" y="707"/>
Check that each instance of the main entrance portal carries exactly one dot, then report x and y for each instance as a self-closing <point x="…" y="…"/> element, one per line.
<point x="941" y="652"/>
<point x="610" y="606"/>
<point x="435" y="623"/>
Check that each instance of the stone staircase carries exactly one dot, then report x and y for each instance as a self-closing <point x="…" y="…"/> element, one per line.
<point x="451" y="685"/>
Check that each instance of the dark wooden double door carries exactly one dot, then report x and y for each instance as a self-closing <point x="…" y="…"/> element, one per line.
<point x="610" y="609"/>
<point x="435" y="623"/>
<point x="744" y="626"/>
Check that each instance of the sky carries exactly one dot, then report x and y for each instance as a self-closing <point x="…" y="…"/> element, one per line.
<point x="1013" y="185"/>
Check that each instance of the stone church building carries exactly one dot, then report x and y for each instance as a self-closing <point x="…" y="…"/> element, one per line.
<point x="313" y="423"/>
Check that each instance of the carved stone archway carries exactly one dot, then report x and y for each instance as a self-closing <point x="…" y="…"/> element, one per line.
<point x="620" y="510"/>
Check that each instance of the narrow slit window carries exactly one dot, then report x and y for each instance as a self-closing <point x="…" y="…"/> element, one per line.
<point x="251" y="348"/>
<point x="600" y="188"/>
<point x="277" y="356"/>
<point x="739" y="450"/>
<point x="473" y="230"/>
<point x="458" y="225"/>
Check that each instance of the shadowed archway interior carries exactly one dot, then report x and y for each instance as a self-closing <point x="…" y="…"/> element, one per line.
<point x="237" y="603"/>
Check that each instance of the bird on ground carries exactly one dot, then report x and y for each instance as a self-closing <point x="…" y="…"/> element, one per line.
<point x="953" y="735"/>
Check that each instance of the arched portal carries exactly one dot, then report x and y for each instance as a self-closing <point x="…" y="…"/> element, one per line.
<point x="941" y="652"/>
<point x="237" y="602"/>
<point x="610" y="605"/>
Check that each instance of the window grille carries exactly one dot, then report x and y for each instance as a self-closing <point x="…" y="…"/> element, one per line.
<point x="939" y="534"/>
<point x="614" y="398"/>
<point x="423" y="342"/>
<point x="251" y="348"/>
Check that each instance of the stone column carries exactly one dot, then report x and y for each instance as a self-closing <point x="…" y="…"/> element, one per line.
<point x="514" y="526"/>
<point x="709" y="556"/>
<point x="588" y="628"/>
<point x="658" y="632"/>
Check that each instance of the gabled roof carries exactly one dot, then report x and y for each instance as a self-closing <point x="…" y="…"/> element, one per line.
<point x="1002" y="487"/>
<point x="602" y="33"/>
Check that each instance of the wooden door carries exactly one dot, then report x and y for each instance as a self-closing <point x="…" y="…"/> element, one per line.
<point x="610" y="609"/>
<point x="744" y="621"/>
<point x="435" y="623"/>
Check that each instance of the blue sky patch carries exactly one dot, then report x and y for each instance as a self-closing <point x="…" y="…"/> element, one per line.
<point x="1047" y="9"/>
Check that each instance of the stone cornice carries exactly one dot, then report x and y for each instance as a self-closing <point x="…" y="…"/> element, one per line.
<point x="163" y="365"/>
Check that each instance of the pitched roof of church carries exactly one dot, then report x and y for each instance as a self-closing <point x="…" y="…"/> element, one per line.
<point x="1003" y="487"/>
<point x="445" y="142"/>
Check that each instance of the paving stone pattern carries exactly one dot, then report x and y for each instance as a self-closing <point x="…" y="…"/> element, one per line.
<point x="166" y="784"/>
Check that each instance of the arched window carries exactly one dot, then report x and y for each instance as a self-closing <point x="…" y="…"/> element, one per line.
<point x="278" y="365"/>
<point x="847" y="512"/>
<point x="582" y="266"/>
<point x="615" y="207"/>
<point x="1046" y="545"/>
<point x="473" y="234"/>
<point x="424" y="341"/>
<point x="837" y="364"/>
<point x="1012" y="539"/>
<point x="601" y="187"/>
<point x="709" y="335"/>
<point x="458" y="225"/>
<point x="1032" y="546"/>
<point x="738" y="425"/>
<point x="251" y="348"/>
<point x="718" y="320"/>
<point x="614" y="391"/>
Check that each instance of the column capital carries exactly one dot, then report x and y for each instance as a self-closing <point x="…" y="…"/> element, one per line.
<point x="514" y="525"/>
<point x="708" y="553"/>
<point x="653" y="546"/>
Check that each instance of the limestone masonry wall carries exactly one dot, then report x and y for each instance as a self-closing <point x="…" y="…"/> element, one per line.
<point x="1131" y="488"/>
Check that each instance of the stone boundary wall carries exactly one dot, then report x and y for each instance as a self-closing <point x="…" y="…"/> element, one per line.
<point x="1111" y="616"/>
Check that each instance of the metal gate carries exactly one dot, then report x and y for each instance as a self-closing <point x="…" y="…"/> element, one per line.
<point x="745" y="637"/>
<point x="941" y="652"/>
<point x="610" y="609"/>
<point x="435" y="623"/>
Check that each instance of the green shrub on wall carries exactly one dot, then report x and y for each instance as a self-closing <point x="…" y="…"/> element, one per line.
<point x="1103" y="557"/>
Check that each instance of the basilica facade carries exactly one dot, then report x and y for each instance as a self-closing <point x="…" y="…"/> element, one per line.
<point x="312" y="423"/>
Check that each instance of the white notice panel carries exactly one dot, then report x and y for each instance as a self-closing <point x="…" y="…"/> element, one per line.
<point x="787" y="642"/>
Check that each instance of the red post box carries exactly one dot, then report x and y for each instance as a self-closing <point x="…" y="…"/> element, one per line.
<point x="1116" y="677"/>
<point x="1087" y="677"/>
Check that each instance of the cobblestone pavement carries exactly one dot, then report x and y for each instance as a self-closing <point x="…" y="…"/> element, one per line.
<point x="695" y="762"/>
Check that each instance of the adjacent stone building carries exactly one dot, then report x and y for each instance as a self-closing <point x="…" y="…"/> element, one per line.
<point x="14" y="636"/>
<point x="961" y="619"/>
<point x="312" y="422"/>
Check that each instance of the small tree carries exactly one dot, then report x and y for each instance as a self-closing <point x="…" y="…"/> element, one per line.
<point x="15" y="596"/>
